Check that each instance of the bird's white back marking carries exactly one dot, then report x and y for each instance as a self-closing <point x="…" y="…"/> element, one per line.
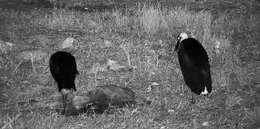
<point x="205" y="92"/>
<point x="183" y="36"/>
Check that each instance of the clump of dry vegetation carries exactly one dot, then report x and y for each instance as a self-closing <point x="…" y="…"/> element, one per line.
<point x="142" y="37"/>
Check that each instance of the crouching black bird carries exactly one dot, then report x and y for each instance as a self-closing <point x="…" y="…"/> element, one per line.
<point x="194" y="63"/>
<point x="63" y="68"/>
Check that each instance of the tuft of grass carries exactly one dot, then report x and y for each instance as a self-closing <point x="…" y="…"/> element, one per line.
<point x="152" y="20"/>
<point x="64" y="20"/>
<point x="41" y="121"/>
<point x="120" y="19"/>
<point x="197" y="23"/>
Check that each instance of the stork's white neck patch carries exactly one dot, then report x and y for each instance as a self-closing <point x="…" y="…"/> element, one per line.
<point x="205" y="92"/>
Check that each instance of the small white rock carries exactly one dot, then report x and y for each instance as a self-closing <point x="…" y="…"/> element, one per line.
<point x="68" y="43"/>
<point x="107" y="43"/>
<point x="111" y="62"/>
<point x="115" y="66"/>
<point x="155" y="84"/>
<point x="171" y="110"/>
<point x="9" y="44"/>
<point x="205" y="123"/>
<point x="163" y="127"/>
<point x="149" y="89"/>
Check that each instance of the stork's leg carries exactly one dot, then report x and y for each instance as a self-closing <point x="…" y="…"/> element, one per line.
<point x="64" y="103"/>
<point x="64" y="93"/>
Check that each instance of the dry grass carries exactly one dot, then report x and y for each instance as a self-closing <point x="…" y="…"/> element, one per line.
<point x="136" y="38"/>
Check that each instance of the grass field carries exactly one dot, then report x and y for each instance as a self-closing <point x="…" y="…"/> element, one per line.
<point x="137" y="34"/>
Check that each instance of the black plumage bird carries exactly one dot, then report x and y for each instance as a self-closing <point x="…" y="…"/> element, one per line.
<point x="63" y="68"/>
<point x="194" y="63"/>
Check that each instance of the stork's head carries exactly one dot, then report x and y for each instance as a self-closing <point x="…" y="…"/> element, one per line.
<point x="180" y="38"/>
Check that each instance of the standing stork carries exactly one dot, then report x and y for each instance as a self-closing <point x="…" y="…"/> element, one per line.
<point x="63" y="68"/>
<point x="194" y="63"/>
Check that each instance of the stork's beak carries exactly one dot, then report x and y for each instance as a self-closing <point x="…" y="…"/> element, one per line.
<point x="178" y="43"/>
